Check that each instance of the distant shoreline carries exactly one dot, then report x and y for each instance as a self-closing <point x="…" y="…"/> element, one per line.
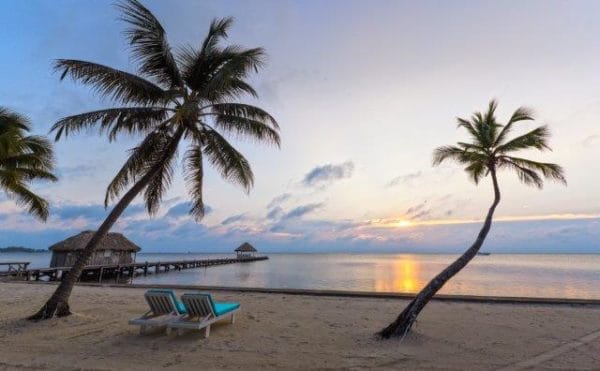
<point x="21" y="249"/>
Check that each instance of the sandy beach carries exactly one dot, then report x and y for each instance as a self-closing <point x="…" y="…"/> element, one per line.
<point x="296" y="332"/>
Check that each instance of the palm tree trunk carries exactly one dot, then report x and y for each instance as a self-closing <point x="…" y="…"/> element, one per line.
<point x="58" y="304"/>
<point x="406" y="319"/>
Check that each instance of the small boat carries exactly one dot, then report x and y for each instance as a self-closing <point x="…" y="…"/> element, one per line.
<point x="483" y="253"/>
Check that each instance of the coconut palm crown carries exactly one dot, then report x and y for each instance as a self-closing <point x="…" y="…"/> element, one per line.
<point x="189" y="96"/>
<point x="24" y="158"/>
<point x="491" y="149"/>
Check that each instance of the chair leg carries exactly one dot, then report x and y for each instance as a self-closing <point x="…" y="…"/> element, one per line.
<point x="207" y="332"/>
<point x="233" y="318"/>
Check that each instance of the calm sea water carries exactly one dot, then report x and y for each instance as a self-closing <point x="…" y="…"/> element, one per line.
<point x="562" y="276"/>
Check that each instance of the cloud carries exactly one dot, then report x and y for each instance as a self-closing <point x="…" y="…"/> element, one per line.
<point x="233" y="219"/>
<point x="147" y="225"/>
<point x="404" y="179"/>
<point x="418" y="211"/>
<point x="279" y="200"/>
<point x="275" y="213"/>
<point x="591" y="140"/>
<point x="326" y="174"/>
<point x="77" y="171"/>
<point x="183" y="209"/>
<point x="90" y="212"/>
<point x="300" y="211"/>
<point x="133" y="210"/>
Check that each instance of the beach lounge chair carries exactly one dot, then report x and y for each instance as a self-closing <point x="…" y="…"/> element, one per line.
<point x="202" y="311"/>
<point x="164" y="308"/>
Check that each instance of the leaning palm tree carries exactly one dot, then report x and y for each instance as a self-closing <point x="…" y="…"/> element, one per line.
<point x="187" y="99"/>
<point x="489" y="150"/>
<point x="24" y="158"/>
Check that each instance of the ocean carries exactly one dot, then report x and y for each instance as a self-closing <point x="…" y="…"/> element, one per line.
<point x="524" y="275"/>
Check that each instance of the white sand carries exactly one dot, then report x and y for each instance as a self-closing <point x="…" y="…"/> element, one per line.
<point x="295" y="332"/>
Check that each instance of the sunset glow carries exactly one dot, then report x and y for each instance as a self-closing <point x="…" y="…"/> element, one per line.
<point x="354" y="169"/>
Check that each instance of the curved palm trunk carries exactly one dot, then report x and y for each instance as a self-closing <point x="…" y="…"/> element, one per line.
<point x="406" y="319"/>
<point x="58" y="304"/>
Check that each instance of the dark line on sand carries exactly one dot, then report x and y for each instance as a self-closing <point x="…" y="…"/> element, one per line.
<point x="348" y="294"/>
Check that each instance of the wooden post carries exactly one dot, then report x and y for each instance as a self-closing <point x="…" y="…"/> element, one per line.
<point x="100" y="275"/>
<point x="145" y="269"/>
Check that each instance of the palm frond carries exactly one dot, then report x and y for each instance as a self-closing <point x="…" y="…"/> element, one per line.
<point x="232" y="165"/>
<point x="521" y="114"/>
<point x="246" y="111"/>
<point x="111" y="83"/>
<point x="476" y="170"/>
<point x="194" y="176"/>
<point x="149" y="44"/>
<point x="10" y="120"/>
<point x="26" y="174"/>
<point x="139" y="161"/>
<point x="471" y="129"/>
<point x="526" y="176"/>
<point x="39" y="146"/>
<point x="548" y="170"/>
<point x="197" y="64"/>
<point x="536" y="138"/>
<point x="246" y="121"/>
<point x="217" y="31"/>
<point x="24" y="158"/>
<point x="226" y="78"/>
<point x="30" y="165"/>
<point x="160" y="181"/>
<point x="219" y="72"/>
<point x="456" y="154"/>
<point x="131" y="120"/>
<point x="36" y="205"/>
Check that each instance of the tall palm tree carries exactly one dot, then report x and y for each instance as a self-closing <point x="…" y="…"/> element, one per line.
<point x="488" y="151"/>
<point x="187" y="99"/>
<point x="24" y="158"/>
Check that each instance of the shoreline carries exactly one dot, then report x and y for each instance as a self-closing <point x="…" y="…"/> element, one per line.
<point x="342" y="293"/>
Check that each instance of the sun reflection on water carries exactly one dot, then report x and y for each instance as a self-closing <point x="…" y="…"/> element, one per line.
<point x="402" y="275"/>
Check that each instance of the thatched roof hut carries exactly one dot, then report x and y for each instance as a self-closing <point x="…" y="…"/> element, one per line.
<point x="114" y="248"/>
<point x="245" y="249"/>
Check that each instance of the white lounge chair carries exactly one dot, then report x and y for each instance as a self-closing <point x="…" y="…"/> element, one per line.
<point x="164" y="308"/>
<point x="202" y="311"/>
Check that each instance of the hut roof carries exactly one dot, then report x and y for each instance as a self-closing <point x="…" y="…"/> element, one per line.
<point x="245" y="247"/>
<point x="112" y="241"/>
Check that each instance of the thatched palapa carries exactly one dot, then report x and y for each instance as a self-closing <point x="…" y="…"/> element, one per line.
<point x="114" y="248"/>
<point x="245" y="249"/>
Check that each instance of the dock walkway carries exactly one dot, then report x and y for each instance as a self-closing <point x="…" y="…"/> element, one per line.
<point x="14" y="268"/>
<point x="122" y="271"/>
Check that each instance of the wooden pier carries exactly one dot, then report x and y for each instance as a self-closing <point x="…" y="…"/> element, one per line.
<point x="127" y="271"/>
<point x="14" y="268"/>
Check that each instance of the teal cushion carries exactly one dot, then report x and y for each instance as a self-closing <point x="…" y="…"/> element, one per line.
<point x="222" y="308"/>
<point x="180" y="307"/>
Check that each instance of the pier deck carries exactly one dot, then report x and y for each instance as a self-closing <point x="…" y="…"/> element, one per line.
<point x="14" y="268"/>
<point x="122" y="271"/>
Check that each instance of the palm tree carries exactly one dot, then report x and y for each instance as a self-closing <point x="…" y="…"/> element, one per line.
<point x="488" y="151"/>
<point x="188" y="99"/>
<point x="24" y="158"/>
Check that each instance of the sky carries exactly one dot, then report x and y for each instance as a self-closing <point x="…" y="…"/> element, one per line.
<point x="364" y="91"/>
